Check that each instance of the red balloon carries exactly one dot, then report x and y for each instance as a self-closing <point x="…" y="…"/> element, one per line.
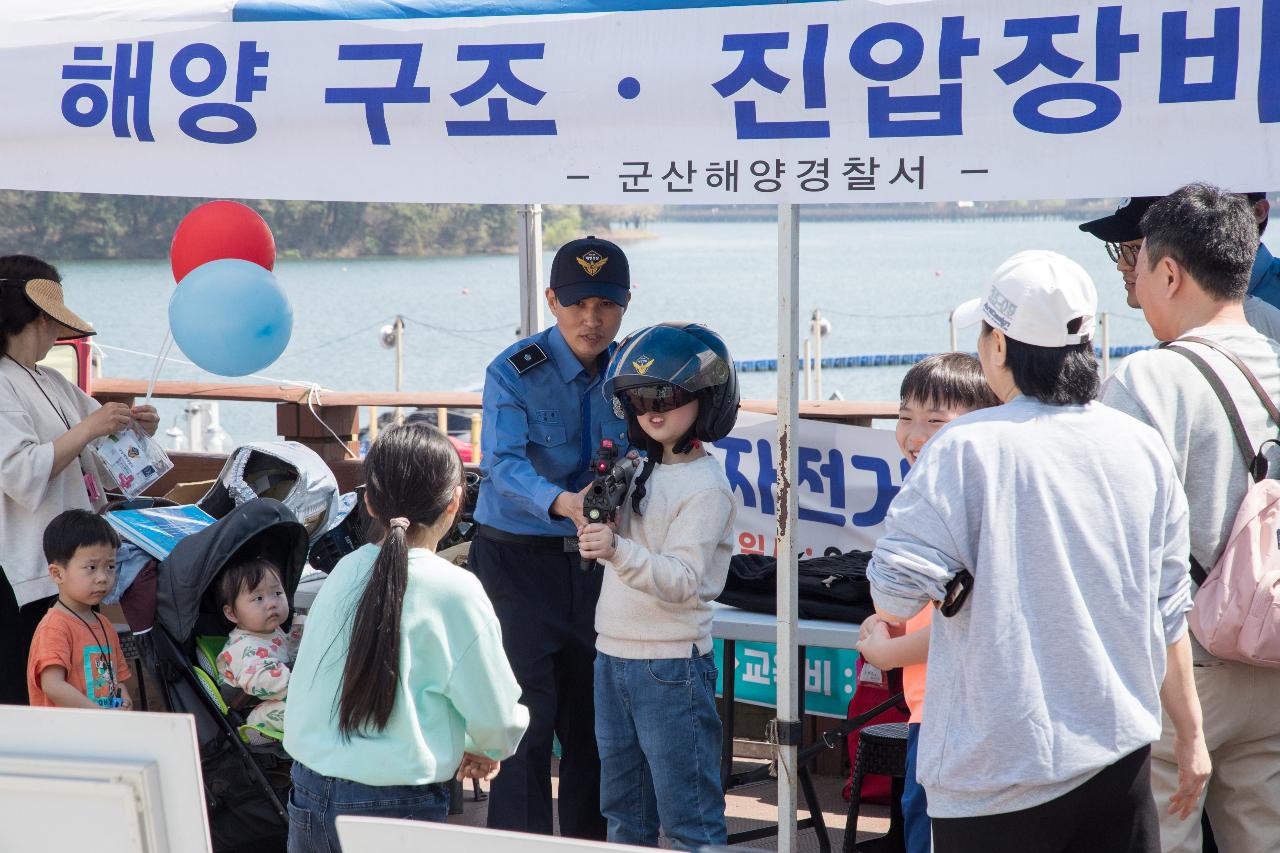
<point x="217" y="230"/>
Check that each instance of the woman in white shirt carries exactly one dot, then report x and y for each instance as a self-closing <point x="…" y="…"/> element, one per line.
<point x="46" y="424"/>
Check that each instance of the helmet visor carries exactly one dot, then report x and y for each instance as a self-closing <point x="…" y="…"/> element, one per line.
<point x="644" y="399"/>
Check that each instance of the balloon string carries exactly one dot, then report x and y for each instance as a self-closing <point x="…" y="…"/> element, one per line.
<point x="155" y="372"/>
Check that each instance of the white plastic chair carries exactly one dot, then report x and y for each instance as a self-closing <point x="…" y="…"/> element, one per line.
<point x="383" y="835"/>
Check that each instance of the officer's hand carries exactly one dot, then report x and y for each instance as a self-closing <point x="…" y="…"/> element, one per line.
<point x="569" y="505"/>
<point x="595" y="541"/>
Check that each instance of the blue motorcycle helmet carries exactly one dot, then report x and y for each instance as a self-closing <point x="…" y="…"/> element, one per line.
<point x="664" y="367"/>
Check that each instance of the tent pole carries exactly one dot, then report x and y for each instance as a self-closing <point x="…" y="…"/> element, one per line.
<point x="788" y="680"/>
<point x="529" y="239"/>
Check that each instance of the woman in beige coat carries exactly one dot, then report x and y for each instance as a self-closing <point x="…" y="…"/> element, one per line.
<point x="46" y="424"/>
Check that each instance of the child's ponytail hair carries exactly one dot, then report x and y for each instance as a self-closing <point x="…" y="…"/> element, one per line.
<point x="411" y="473"/>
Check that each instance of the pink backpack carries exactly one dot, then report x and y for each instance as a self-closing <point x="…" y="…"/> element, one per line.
<point x="1236" y="615"/>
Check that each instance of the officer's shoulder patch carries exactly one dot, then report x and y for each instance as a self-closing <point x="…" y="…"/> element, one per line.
<point x="528" y="358"/>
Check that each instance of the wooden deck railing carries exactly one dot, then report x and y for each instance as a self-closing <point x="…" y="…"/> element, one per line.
<point x="302" y="415"/>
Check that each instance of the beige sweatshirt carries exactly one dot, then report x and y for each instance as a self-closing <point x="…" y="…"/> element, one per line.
<point x="29" y="497"/>
<point x="670" y="563"/>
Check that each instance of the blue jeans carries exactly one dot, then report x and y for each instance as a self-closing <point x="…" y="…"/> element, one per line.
<point x="915" y="816"/>
<point x="317" y="800"/>
<point x="659" y="738"/>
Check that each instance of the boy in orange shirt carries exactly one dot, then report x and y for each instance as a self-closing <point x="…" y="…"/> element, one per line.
<point x="76" y="660"/>
<point x="934" y="392"/>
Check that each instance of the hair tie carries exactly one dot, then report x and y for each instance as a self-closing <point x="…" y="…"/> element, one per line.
<point x="399" y="522"/>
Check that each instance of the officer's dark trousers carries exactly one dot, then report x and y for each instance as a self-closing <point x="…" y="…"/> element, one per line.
<point x="546" y="605"/>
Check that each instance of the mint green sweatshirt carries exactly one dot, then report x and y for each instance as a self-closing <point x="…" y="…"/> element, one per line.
<point x="455" y="688"/>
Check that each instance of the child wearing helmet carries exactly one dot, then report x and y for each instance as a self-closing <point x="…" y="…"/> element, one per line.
<point x="655" y="677"/>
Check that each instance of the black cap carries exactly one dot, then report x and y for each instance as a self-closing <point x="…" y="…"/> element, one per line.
<point x="1123" y="225"/>
<point x="591" y="267"/>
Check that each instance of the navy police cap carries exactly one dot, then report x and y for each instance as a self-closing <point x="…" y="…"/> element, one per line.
<point x="590" y="267"/>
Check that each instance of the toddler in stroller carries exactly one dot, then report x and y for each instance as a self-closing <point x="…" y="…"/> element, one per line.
<point x="257" y="654"/>
<point x="245" y="787"/>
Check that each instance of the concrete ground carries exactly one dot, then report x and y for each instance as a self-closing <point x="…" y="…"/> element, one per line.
<point x="754" y="806"/>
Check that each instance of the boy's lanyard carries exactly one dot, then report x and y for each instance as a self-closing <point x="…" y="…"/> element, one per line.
<point x="103" y="644"/>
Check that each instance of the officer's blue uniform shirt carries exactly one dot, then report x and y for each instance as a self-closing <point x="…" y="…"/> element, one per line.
<point x="1264" y="280"/>
<point x="542" y="425"/>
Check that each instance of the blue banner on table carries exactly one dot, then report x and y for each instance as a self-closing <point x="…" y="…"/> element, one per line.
<point x="830" y="677"/>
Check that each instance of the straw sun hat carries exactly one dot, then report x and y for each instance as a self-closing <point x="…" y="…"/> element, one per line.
<point x="46" y="295"/>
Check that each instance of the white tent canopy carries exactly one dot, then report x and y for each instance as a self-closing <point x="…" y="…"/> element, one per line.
<point x="822" y="102"/>
<point x="653" y="101"/>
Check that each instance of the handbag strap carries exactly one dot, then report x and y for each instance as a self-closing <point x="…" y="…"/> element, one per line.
<point x="1255" y="463"/>
<point x="1224" y="398"/>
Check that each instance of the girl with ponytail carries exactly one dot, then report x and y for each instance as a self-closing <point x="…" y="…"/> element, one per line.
<point x="401" y="679"/>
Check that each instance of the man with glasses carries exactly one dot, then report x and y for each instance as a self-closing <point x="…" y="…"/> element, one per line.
<point x="1192" y="276"/>
<point x="1123" y="239"/>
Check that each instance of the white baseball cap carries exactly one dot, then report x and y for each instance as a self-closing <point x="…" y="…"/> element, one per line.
<point x="1032" y="297"/>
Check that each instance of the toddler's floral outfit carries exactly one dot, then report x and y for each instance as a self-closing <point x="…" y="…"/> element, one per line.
<point x="259" y="665"/>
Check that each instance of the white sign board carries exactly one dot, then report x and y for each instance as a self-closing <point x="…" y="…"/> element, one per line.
<point x="76" y="779"/>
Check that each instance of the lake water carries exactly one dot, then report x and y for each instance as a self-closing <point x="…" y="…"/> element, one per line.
<point x="887" y="287"/>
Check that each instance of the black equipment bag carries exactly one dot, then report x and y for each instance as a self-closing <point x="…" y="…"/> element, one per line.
<point x="341" y="539"/>
<point x="833" y="587"/>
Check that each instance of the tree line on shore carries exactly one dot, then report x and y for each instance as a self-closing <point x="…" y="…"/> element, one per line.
<point x="83" y="226"/>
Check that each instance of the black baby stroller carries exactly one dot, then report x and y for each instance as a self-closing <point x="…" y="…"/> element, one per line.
<point x="245" y="788"/>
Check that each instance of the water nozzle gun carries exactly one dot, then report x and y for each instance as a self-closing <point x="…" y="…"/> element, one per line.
<point x="609" y="488"/>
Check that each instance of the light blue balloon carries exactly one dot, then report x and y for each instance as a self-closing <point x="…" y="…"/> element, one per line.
<point x="231" y="317"/>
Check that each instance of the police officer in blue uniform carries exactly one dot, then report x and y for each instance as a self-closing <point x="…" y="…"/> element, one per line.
<point x="1264" y="278"/>
<point x="544" y="417"/>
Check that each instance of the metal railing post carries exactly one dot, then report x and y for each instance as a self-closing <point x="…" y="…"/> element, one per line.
<point x="808" y="368"/>
<point x="817" y="353"/>
<point x="1106" y="344"/>
<point x="475" y="438"/>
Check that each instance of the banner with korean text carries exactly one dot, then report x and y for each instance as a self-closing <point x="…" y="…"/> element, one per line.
<point x="853" y="101"/>
<point x="848" y="476"/>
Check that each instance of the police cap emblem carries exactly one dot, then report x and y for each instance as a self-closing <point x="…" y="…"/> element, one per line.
<point x="592" y="262"/>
